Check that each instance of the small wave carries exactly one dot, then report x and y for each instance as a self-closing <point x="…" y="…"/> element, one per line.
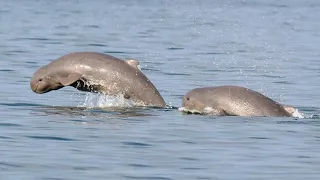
<point x="51" y="138"/>
<point x="175" y="48"/>
<point x="114" y="52"/>
<point x="10" y="125"/>
<point x="147" y="177"/>
<point x="177" y="74"/>
<point x="5" y="137"/>
<point x="32" y="39"/>
<point x="92" y="26"/>
<point x="97" y="45"/>
<point x="7" y="165"/>
<point x="314" y="116"/>
<point x="20" y="104"/>
<point x="139" y="165"/>
<point x="7" y="70"/>
<point x="310" y="112"/>
<point x="136" y="144"/>
<point x="189" y="159"/>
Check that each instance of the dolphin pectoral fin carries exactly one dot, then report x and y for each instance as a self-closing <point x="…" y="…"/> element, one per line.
<point x="214" y="111"/>
<point x="71" y="78"/>
<point x="133" y="63"/>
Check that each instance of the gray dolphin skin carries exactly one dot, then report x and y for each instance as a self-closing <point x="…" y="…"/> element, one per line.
<point x="233" y="101"/>
<point x="97" y="72"/>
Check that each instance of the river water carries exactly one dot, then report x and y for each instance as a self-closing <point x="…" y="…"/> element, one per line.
<point x="268" y="46"/>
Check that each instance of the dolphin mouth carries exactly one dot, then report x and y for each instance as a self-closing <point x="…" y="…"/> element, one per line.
<point x="37" y="87"/>
<point x="36" y="90"/>
<point x="44" y="91"/>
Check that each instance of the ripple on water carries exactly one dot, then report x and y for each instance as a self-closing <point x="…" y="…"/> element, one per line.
<point x="4" y="165"/>
<point x="5" y="137"/>
<point x="283" y="82"/>
<point x="92" y="26"/>
<point x="10" y="125"/>
<point x="51" y="138"/>
<point x="140" y="165"/>
<point x="193" y="168"/>
<point x="32" y="39"/>
<point x="189" y="159"/>
<point x="315" y="116"/>
<point x="175" y="48"/>
<point x="177" y="74"/>
<point x="188" y="142"/>
<point x="51" y="178"/>
<point x="136" y="144"/>
<point x="6" y="70"/>
<point x="97" y="45"/>
<point x="115" y="52"/>
<point x="20" y="104"/>
<point x="297" y="121"/>
<point x="148" y="177"/>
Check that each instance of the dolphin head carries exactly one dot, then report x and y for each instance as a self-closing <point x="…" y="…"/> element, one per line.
<point x="43" y="81"/>
<point x="193" y="101"/>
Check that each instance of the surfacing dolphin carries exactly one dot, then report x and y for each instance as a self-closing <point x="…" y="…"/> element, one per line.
<point x="233" y="101"/>
<point x="97" y="72"/>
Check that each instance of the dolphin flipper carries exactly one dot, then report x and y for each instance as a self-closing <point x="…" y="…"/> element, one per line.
<point x="71" y="78"/>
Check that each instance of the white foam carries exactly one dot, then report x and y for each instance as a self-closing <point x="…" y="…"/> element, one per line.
<point x="208" y="110"/>
<point x="183" y="109"/>
<point x="297" y="114"/>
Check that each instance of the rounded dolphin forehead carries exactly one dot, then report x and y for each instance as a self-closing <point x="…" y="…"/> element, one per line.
<point x="197" y="92"/>
<point x="41" y="72"/>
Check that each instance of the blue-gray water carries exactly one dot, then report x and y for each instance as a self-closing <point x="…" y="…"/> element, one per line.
<point x="269" y="46"/>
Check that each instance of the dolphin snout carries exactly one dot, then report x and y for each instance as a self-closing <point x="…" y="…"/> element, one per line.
<point x="38" y="86"/>
<point x="183" y="103"/>
<point x="34" y="86"/>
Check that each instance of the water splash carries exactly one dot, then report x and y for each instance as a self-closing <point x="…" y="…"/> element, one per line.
<point x="315" y="116"/>
<point x="298" y="114"/>
<point x="93" y="100"/>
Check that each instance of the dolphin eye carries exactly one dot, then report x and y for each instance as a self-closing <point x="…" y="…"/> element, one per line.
<point x="40" y="79"/>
